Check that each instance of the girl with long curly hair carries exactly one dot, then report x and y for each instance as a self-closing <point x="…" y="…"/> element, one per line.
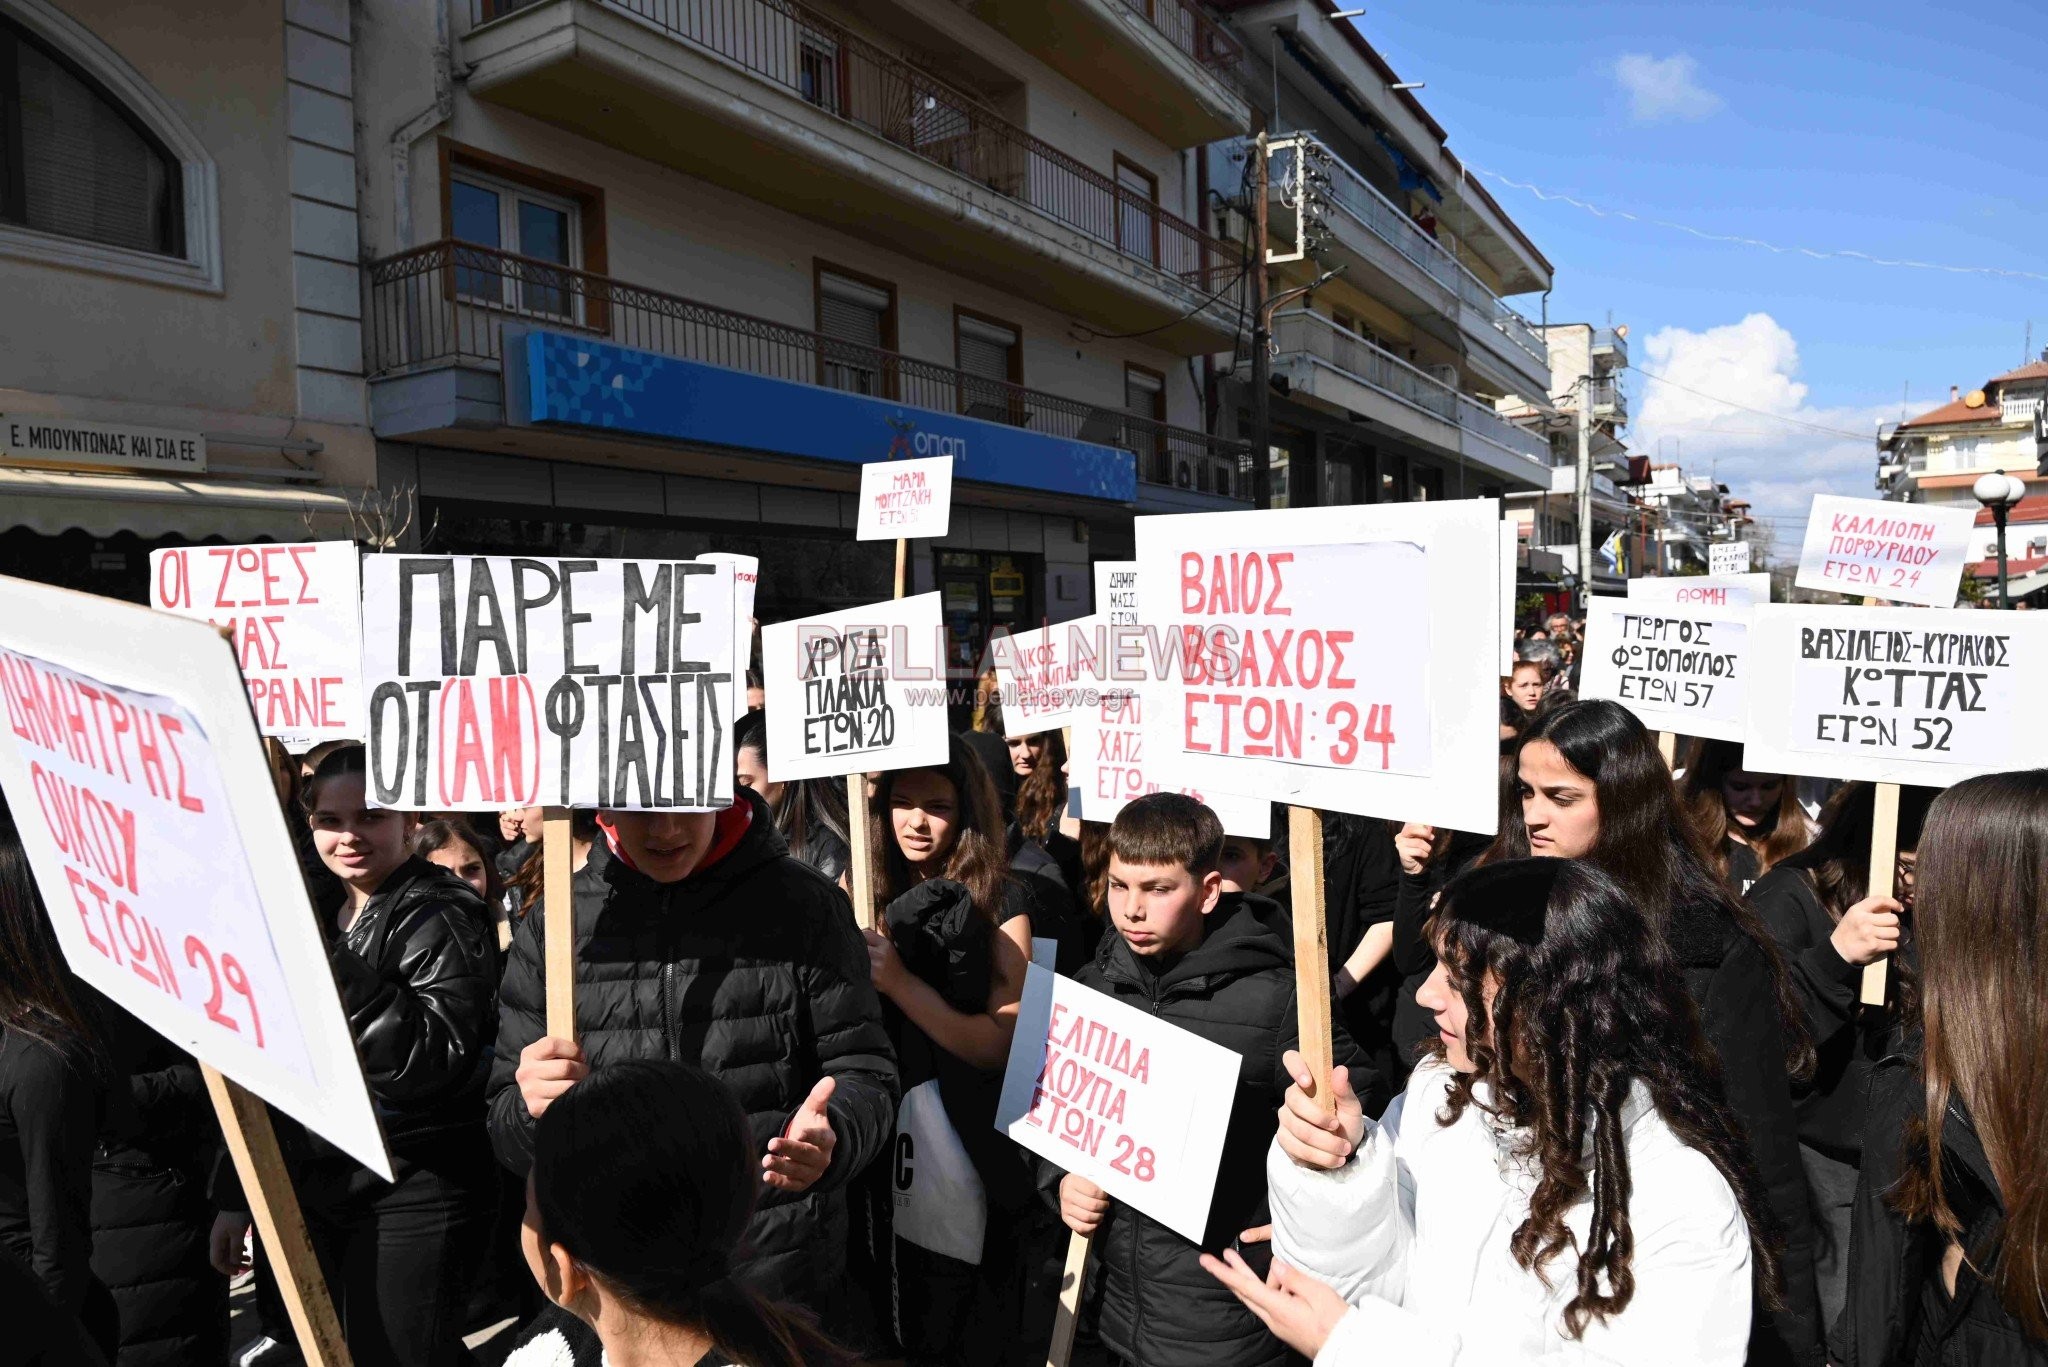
<point x="1561" y="1180"/>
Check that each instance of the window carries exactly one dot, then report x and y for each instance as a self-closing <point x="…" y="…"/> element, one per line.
<point x="817" y="69"/>
<point x="1145" y="397"/>
<point x="1341" y="485"/>
<point x="988" y="350"/>
<point x="519" y="222"/>
<point x="859" y="316"/>
<point x="1137" y="227"/>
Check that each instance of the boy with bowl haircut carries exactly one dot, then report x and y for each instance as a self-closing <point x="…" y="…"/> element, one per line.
<point x="1213" y="963"/>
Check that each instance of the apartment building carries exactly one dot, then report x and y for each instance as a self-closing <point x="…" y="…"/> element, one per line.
<point x="1686" y="514"/>
<point x="652" y="277"/>
<point x="179" y="261"/>
<point x="1582" y="381"/>
<point x="1386" y="377"/>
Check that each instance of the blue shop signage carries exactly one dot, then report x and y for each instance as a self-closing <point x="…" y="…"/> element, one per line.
<point x="579" y="382"/>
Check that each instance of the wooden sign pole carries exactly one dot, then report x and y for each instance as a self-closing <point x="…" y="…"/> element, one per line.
<point x="859" y="858"/>
<point x="1069" y="1315"/>
<point x="1311" y="950"/>
<point x="1667" y="746"/>
<point x="274" y="1206"/>
<point x="902" y="565"/>
<point x="557" y="894"/>
<point x="1884" y="855"/>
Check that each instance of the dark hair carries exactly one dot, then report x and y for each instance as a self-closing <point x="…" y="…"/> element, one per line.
<point x="800" y="804"/>
<point x="1589" y="1002"/>
<point x="1707" y="764"/>
<point x="39" y="995"/>
<point x="1168" y="828"/>
<point x="1042" y="796"/>
<point x="1838" y="860"/>
<point x="1095" y="866"/>
<point x="529" y="881"/>
<point x="1645" y="843"/>
<point x="645" y="1172"/>
<point x="431" y="837"/>
<point x="1980" y="916"/>
<point x="344" y="761"/>
<point x="978" y="858"/>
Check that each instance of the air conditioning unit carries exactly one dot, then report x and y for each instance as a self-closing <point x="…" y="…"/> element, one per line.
<point x="1183" y="474"/>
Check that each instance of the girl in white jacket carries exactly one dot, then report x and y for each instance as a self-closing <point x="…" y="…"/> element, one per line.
<point x="1561" y="1184"/>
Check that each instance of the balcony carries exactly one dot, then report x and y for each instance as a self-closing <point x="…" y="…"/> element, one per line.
<point x="1339" y="369"/>
<point x="1163" y="64"/>
<point x="444" y="307"/>
<point x="1610" y="349"/>
<point x="1394" y="260"/>
<point x="787" y="106"/>
<point x="1609" y="404"/>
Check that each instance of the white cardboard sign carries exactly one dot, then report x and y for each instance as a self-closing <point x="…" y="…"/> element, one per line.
<point x="901" y="498"/>
<point x="497" y="681"/>
<point x="1729" y="593"/>
<point x="1049" y="676"/>
<point x="1116" y="592"/>
<point x="1728" y="557"/>
<point x="1895" y="695"/>
<point x="1108" y="770"/>
<point x="1677" y="668"/>
<point x="856" y="691"/>
<point x="1346" y="658"/>
<point x="294" y="611"/>
<point x="746" y="579"/>
<point x="1902" y="552"/>
<point x="1510" y="560"/>
<point x="1137" y="1106"/>
<point x="135" y="774"/>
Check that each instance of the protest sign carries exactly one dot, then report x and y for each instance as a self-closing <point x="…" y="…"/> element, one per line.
<point x="1679" y="669"/>
<point x="1510" y="559"/>
<point x="498" y="681"/>
<point x="1107" y="769"/>
<point x="746" y="579"/>
<point x="1346" y="658"/>
<point x="856" y="691"/>
<point x="1116" y="592"/>
<point x="1120" y="1097"/>
<point x="145" y="804"/>
<point x="1895" y="695"/>
<point x="1728" y="557"/>
<point x="1734" y="592"/>
<point x="1049" y="676"/>
<point x="905" y="498"/>
<point x="1905" y="552"/>
<point x="294" y="614"/>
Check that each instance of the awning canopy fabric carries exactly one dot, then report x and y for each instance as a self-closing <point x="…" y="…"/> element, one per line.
<point x="56" y="501"/>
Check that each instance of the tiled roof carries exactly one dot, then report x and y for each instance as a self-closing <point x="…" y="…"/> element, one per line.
<point x="1953" y="412"/>
<point x="2033" y="370"/>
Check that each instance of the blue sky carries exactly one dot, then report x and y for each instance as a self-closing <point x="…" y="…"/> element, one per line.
<point x="1892" y="129"/>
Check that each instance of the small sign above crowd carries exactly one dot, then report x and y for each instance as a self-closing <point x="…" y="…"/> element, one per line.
<point x="1877" y="548"/>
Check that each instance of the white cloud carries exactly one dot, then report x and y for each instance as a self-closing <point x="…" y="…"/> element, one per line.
<point x="1776" y="465"/>
<point x="1660" y="88"/>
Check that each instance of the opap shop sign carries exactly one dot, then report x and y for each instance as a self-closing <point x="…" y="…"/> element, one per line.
<point x="498" y="681"/>
<point x="1678" y="669"/>
<point x="146" y="807"/>
<point x="1904" y="552"/>
<point x="856" y="691"/>
<point x="1727" y="593"/>
<point x="904" y="498"/>
<point x="1120" y="1097"/>
<point x="1108" y="769"/>
<point x="1895" y="695"/>
<point x="294" y="613"/>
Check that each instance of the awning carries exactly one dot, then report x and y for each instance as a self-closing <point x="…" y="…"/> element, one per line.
<point x="53" y="501"/>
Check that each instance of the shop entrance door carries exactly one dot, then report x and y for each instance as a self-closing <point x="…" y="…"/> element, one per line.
<point x="981" y="592"/>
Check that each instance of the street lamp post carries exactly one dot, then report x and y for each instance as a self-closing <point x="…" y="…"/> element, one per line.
<point x="1999" y="492"/>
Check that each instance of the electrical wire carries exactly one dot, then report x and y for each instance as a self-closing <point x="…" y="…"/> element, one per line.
<point x="1760" y="412"/>
<point x="1082" y="332"/>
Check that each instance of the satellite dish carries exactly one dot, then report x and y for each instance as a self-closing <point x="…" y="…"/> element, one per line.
<point x="1974" y="399"/>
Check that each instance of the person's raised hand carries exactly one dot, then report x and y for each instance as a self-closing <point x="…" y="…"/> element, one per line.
<point x="1301" y="1311"/>
<point x="1415" y="844"/>
<point x="800" y="1157"/>
<point x="1082" y="1205"/>
<point x="1310" y="1135"/>
<point x="1868" y="931"/>
<point x="548" y="1067"/>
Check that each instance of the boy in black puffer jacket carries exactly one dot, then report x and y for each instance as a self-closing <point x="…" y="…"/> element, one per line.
<point x="1214" y="965"/>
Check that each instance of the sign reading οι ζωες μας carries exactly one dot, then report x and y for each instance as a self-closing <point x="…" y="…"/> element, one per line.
<point x="65" y="443"/>
<point x="1895" y="695"/>
<point x="1134" y="1104"/>
<point x="515" y="681"/>
<point x="905" y="498"/>
<point x="856" y="691"/>
<point x="1677" y="668"/>
<point x="147" y="810"/>
<point x="1874" y="548"/>
<point x="294" y="613"/>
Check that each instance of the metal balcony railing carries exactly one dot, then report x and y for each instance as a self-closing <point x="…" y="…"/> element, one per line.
<point x="1606" y="397"/>
<point x="825" y="64"/>
<point x="1190" y="30"/>
<point x="1299" y="331"/>
<point x="1611" y="342"/>
<point x="1363" y="203"/>
<point x="448" y="302"/>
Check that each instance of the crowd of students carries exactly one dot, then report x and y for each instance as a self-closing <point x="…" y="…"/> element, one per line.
<point x="1604" y="1090"/>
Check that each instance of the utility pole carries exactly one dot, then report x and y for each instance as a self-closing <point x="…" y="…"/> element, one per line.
<point x="1585" y="491"/>
<point x="1262" y="338"/>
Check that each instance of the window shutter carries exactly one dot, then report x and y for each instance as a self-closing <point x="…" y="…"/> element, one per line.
<point x="852" y="312"/>
<point x="986" y="349"/>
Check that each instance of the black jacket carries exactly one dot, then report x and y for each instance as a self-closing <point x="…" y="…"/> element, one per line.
<point x="1891" y="1320"/>
<point x="1730" y="978"/>
<point x="1847" y="1041"/>
<point x="1049" y="874"/>
<point x="750" y="968"/>
<point x="1236" y="989"/>
<point x="50" y="1112"/>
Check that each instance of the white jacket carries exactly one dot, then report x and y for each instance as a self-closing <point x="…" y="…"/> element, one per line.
<point x="1414" y="1234"/>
